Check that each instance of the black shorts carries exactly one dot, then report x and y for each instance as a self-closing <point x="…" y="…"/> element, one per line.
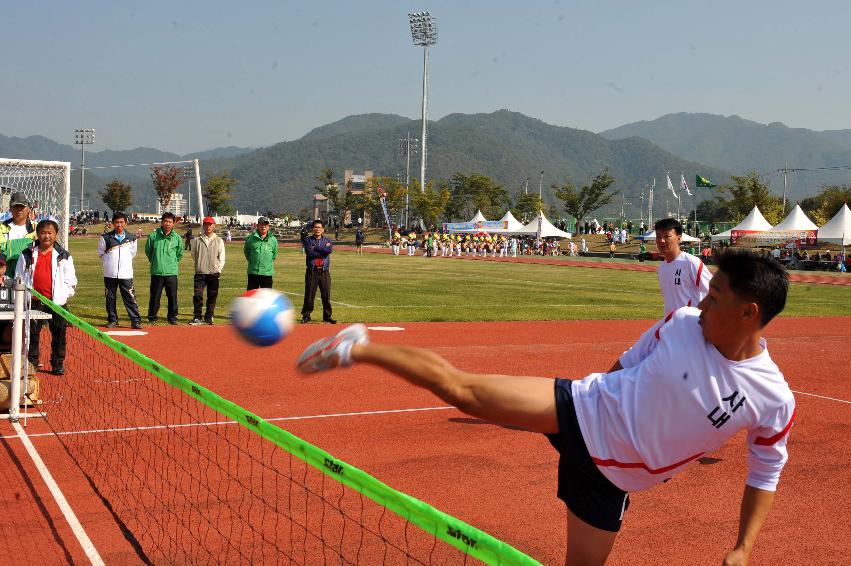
<point x="587" y="492"/>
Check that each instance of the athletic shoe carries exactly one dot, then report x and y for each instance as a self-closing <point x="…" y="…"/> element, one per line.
<point x="137" y="325"/>
<point x="58" y="369"/>
<point x="305" y="319"/>
<point x="112" y="325"/>
<point x="172" y="321"/>
<point x="196" y="322"/>
<point x="334" y="351"/>
<point x="209" y="321"/>
<point x="329" y="320"/>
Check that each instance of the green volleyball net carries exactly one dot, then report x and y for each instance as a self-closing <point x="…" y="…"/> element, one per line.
<point x="190" y="477"/>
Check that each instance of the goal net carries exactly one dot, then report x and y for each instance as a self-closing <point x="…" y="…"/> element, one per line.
<point x="47" y="185"/>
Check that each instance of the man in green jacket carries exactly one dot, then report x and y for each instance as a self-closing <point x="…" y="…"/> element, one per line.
<point x="164" y="249"/>
<point x="261" y="249"/>
<point x="18" y="232"/>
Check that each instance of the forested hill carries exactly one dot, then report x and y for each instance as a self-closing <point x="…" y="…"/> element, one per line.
<point x="507" y="146"/>
<point x="738" y="145"/>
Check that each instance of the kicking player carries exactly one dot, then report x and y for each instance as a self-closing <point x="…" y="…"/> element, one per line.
<point x="690" y="383"/>
<point x="683" y="279"/>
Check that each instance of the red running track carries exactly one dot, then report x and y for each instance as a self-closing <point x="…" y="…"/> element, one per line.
<point x="499" y="479"/>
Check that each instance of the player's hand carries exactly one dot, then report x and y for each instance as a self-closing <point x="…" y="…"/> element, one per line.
<point x="736" y="557"/>
<point x="332" y="352"/>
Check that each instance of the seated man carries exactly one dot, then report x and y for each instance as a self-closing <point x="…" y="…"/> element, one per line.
<point x="690" y="383"/>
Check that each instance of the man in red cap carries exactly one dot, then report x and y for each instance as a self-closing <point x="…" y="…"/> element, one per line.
<point x="208" y="255"/>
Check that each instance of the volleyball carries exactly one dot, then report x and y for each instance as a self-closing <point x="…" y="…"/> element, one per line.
<point x="262" y="316"/>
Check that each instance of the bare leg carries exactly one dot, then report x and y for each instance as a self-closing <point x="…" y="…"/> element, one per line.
<point x="587" y="545"/>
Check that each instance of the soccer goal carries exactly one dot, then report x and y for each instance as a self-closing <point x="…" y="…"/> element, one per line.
<point x="47" y="185"/>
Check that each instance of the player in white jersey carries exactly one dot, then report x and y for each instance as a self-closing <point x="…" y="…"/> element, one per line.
<point x="683" y="279"/>
<point x="690" y="383"/>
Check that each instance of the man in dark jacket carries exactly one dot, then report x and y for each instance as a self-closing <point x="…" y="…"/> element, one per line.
<point x="317" y="248"/>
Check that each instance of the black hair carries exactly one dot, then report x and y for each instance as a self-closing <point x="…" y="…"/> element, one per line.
<point x="757" y="278"/>
<point x="46" y="222"/>
<point x="669" y="224"/>
<point x="118" y="215"/>
<point x="168" y="215"/>
<point x="317" y="221"/>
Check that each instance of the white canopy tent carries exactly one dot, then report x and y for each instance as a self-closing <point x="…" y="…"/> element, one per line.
<point x="512" y="225"/>
<point x="547" y="229"/>
<point x="795" y="222"/>
<point x="652" y="236"/>
<point x="753" y="222"/>
<point x="838" y="229"/>
<point x="479" y="217"/>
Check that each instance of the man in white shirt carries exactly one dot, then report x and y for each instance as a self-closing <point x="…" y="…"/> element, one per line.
<point x="689" y="384"/>
<point x="683" y="279"/>
<point x="117" y="249"/>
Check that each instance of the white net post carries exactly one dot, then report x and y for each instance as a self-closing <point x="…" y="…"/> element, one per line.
<point x="47" y="185"/>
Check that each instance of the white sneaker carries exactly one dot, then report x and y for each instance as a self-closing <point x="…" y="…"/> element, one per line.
<point x="334" y="351"/>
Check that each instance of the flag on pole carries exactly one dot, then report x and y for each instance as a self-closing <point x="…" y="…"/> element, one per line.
<point x="703" y="182"/>
<point x="671" y="187"/>
<point x="684" y="185"/>
<point x="540" y="223"/>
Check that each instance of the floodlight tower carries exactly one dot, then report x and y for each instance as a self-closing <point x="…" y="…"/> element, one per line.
<point x="423" y="32"/>
<point x="83" y="137"/>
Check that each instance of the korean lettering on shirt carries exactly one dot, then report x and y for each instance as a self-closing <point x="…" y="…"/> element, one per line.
<point x="678" y="277"/>
<point x="719" y="421"/>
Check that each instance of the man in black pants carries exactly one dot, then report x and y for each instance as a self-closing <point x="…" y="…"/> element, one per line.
<point x="317" y="248"/>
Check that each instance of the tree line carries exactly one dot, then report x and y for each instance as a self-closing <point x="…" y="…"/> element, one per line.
<point x="217" y="190"/>
<point x="460" y="196"/>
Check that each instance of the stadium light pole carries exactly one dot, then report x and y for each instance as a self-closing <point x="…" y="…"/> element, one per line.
<point x="83" y="137"/>
<point x="407" y="146"/>
<point x="424" y="33"/>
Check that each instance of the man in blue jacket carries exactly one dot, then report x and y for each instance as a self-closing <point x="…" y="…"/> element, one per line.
<point x="317" y="248"/>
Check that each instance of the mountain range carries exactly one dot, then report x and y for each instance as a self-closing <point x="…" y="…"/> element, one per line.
<point x="507" y="146"/>
<point x="740" y="145"/>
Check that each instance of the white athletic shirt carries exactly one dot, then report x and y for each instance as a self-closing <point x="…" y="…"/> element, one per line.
<point x="683" y="282"/>
<point x="677" y="399"/>
<point x="17" y="232"/>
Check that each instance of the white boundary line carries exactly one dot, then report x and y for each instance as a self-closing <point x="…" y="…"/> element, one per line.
<point x="67" y="512"/>
<point x="220" y="423"/>
<point x="822" y="397"/>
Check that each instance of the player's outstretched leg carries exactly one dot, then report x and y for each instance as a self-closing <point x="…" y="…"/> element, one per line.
<point x="332" y="352"/>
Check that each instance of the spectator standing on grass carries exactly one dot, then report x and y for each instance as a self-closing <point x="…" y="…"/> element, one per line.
<point x="187" y="237"/>
<point x="359" y="241"/>
<point x="164" y="250"/>
<point x="117" y="249"/>
<point x="317" y="249"/>
<point x="49" y="269"/>
<point x="208" y="255"/>
<point x="612" y="250"/>
<point x="17" y="232"/>
<point x="683" y="279"/>
<point x="691" y="382"/>
<point x="261" y="249"/>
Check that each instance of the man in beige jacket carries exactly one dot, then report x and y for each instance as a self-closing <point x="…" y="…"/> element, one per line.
<point x="208" y="255"/>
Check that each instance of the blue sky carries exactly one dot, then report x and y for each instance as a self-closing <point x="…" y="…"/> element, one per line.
<point x="184" y="76"/>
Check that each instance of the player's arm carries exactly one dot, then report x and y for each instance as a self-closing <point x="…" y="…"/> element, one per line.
<point x="756" y="503"/>
<point x="528" y="402"/>
<point x="643" y="347"/>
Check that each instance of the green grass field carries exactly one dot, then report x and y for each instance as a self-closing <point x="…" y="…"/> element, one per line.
<point x="383" y="288"/>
